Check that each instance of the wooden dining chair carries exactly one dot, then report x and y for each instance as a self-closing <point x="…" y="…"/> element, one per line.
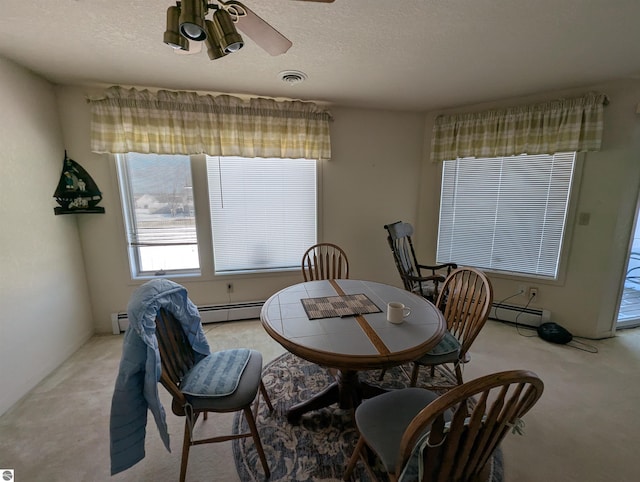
<point x="179" y="361"/>
<point x="421" y="279"/>
<point x="420" y="436"/>
<point x="325" y="261"/>
<point x="465" y="301"/>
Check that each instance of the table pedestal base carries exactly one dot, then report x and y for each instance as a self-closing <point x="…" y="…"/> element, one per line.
<point x="348" y="391"/>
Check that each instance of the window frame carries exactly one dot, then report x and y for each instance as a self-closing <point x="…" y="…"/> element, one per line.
<point x="570" y="221"/>
<point x="262" y="270"/>
<point x="203" y="227"/>
<point x="127" y="205"/>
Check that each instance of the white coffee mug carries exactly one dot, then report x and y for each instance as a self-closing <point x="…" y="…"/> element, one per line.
<point x="397" y="312"/>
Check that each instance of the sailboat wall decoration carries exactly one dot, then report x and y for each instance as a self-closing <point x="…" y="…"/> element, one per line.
<point x="77" y="192"/>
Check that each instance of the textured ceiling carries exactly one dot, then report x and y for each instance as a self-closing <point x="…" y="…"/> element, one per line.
<point x="406" y="54"/>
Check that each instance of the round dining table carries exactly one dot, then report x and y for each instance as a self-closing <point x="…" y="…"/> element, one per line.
<point x="342" y="325"/>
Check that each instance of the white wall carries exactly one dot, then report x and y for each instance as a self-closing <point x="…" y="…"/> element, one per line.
<point x="585" y="300"/>
<point x="373" y="179"/>
<point x="45" y="313"/>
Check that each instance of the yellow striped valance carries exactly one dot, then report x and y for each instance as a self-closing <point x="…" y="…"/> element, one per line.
<point x="169" y="122"/>
<point x="563" y="125"/>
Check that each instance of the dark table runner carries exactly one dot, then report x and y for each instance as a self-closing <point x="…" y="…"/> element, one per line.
<point x="334" y="306"/>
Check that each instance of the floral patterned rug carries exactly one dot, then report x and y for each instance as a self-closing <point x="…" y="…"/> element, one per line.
<point x="316" y="449"/>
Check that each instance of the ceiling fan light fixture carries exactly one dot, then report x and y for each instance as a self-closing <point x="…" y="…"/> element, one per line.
<point x="187" y="30"/>
<point x="172" y="35"/>
<point x="191" y="21"/>
<point x="230" y="40"/>
<point x="214" y="49"/>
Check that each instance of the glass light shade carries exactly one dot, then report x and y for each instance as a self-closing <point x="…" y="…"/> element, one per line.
<point x="192" y="20"/>
<point x="230" y="39"/>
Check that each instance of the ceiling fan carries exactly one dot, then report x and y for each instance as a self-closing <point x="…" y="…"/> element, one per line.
<point x="188" y="28"/>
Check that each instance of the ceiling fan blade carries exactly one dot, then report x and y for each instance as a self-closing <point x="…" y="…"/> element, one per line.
<point x="263" y="34"/>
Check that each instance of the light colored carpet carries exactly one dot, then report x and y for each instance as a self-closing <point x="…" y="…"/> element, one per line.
<point x="583" y="429"/>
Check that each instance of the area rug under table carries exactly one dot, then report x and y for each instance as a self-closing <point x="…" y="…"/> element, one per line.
<point x="316" y="449"/>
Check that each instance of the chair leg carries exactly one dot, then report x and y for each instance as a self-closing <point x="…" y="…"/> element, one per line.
<point x="256" y="439"/>
<point x="354" y="459"/>
<point x="414" y="375"/>
<point x="459" y="373"/>
<point x="265" y="395"/>
<point x="186" y="445"/>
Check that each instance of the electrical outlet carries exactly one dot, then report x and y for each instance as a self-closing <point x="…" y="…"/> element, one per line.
<point x="521" y="290"/>
<point x="229" y="287"/>
<point x="533" y="292"/>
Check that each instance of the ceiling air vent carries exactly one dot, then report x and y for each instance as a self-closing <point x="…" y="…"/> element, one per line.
<point x="293" y="76"/>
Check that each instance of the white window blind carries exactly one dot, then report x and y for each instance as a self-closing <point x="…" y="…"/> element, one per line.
<point x="159" y="213"/>
<point x="506" y="213"/>
<point x="263" y="212"/>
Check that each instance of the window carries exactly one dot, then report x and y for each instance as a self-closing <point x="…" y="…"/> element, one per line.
<point x="263" y="212"/>
<point x="507" y="213"/>
<point x="159" y="213"/>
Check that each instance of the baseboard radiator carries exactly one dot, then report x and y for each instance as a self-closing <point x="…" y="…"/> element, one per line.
<point x="519" y="314"/>
<point x="208" y="313"/>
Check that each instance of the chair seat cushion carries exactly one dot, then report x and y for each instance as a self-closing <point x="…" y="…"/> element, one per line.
<point x="382" y="420"/>
<point x="447" y="351"/>
<point x="425" y="288"/>
<point x="244" y="394"/>
<point x="429" y="286"/>
<point x="216" y="375"/>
